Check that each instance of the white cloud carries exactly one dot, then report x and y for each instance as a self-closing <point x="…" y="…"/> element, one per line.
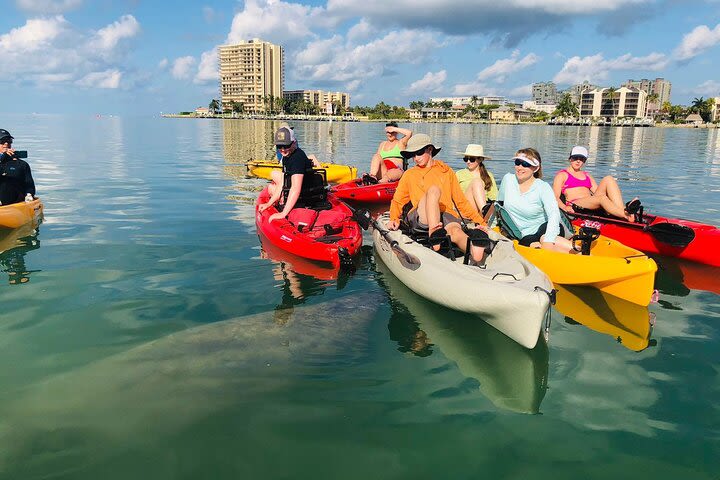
<point x="182" y="66"/>
<point x="35" y="35"/>
<point x="360" y="31"/>
<point x="208" y="69"/>
<point x="273" y="20"/>
<point x="474" y="88"/>
<point x="502" y="68"/>
<point x="355" y="63"/>
<point x="709" y="88"/>
<point x="106" y="79"/>
<point x="523" y="91"/>
<point x="596" y="69"/>
<point x="107" y="38"/>
<point x="47" y="7"/>
<point x="430" y="83"/>
<point x="697" y="41"/>
<point x="163" y="64"/>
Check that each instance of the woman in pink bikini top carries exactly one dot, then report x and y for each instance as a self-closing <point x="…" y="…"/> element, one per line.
<point x="581" y="190"/>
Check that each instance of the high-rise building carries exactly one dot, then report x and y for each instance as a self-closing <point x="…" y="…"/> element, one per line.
<point x="659" y="87"/>
<point x="250" y="73"/>
<point x="544" y="93"/>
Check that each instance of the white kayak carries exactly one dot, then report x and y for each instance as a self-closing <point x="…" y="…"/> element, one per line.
<point x="508" y="292"/>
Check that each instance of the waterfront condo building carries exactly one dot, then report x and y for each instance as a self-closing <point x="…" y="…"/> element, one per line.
<point x="608" y="103"/>
<point x="544" y="93"/>
<point x="659" y="87"/>
<point x="250" y="74"/>
<point x="320" y="98"/>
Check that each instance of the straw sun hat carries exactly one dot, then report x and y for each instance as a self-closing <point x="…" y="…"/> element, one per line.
<point x="475" y="150"/>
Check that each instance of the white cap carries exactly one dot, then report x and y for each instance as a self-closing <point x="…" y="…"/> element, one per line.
<point x="579" y="152"/>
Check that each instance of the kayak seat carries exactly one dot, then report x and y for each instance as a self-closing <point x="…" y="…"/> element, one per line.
<point x="313" y="193"/>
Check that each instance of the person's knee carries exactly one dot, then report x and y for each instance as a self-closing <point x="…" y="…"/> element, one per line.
<point x="433" y="192"/>
<point x="477" y="183"/>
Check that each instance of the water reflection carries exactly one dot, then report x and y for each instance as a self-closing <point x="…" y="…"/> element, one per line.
<point x="510" y="376"/>
<point x="677" y="277"/>
<point x="628" y="323"/>
<point x="14" y="245"/>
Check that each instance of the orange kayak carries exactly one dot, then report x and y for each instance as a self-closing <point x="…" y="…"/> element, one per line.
<point x="18" y="214"/>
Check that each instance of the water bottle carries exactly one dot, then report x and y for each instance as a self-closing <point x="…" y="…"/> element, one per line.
<point x="29" y="197"/>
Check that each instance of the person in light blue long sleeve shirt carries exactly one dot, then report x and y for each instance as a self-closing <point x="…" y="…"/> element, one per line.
<point x="531" y="204"/>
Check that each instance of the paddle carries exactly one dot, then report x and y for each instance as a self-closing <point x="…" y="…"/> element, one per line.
<point x="673" y="234"/>
<point x="364" y="219"/>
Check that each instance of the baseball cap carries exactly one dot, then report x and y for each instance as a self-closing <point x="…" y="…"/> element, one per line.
<point x="578" y="151"/>
<point x="284" y="137"/>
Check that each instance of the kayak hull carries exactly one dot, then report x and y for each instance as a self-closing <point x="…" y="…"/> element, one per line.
<point x="611" y="267"/>
<point x="16" y="215"/>
<point x="509" y="293"/>
<point x="335" y="173"/>
<point x="354" y="190"/>
<point x="702" y="248"/>
<point x="314" y="241"/>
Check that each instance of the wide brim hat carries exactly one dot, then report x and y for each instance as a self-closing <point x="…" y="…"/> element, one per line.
<point x="474" y="150"/>
<point x="418" y="142"/>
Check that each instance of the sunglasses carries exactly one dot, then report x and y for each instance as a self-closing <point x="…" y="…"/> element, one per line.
<point x="523" y="163"/>
<point x="283" y="147"/>
<point x="4" y="142"/>
<point x="471" y="159"/>
<point x="578" y="157"/>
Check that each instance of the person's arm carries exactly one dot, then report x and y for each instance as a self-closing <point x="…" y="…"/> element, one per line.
<point x="292" y="197"/>
<point x="400" y="198"/>
<point x="406" y="136"/>
<point x="29" y="182"/>
<point x="552" y="212"/>
<point x="558" y="183"/>
<point x="593" y="184"/>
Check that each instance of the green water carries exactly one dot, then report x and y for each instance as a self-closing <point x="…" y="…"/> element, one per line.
<point x="145" y="334"/>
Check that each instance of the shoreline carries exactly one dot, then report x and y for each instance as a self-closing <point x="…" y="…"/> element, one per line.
<point x="323" y="118"/>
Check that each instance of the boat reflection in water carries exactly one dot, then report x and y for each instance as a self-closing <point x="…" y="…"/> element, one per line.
<point x="630" y="324"/>
<point x="301" y="278"/>
<point x="14" y="245"/>
<point x="511" y="376"/>
<point x="677" y="277"/>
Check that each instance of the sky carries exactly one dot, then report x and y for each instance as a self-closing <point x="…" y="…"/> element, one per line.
<point x="147" y="57"/>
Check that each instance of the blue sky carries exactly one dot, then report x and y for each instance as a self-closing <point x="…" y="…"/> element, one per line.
<point x="140" y="56"/>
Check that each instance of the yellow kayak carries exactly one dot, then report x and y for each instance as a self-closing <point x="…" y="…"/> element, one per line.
<point x="335" y="173"/>
<point x="626" y="322"/>
<point x="611" y="267"/>
<point x="18" y="214"/>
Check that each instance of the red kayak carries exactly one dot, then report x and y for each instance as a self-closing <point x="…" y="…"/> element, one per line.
<point x="672" y="237"/>
<point x="361" y="192"/>
<point x="329" y="235"/>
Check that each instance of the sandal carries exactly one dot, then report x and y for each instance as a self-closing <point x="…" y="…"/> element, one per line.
<point x="633" y="206"/>
<point x="437" y="237"/>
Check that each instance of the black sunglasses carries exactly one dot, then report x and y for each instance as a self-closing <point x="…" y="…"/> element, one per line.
<point x="8" y="141"/>
<point x="523" y="163"/>
<point x="281" y="147"/>
<point x="408" y="155"/>
<point x="471" y="159"/>
<point x="578" y="157"/>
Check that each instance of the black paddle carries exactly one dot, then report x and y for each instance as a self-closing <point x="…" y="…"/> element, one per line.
<point x="364" y="219"/>
<point x="673" y="234"/>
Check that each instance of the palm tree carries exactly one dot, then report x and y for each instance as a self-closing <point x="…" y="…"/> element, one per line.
<point x="612" y="92"/>
<point x="214" y="106"/>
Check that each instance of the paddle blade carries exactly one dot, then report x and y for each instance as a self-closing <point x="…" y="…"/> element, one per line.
<point x="363" y="218"/>
<point x="673" y="234"/>
<point x="406" y="259"/>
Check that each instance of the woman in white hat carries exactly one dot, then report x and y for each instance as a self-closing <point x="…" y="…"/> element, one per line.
<point x="476" y="182"/>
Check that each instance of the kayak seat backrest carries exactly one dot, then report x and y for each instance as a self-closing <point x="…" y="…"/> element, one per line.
<point x="330" y="217"/>
<point x="506" y="224"/>
<point x="314" y="188"/>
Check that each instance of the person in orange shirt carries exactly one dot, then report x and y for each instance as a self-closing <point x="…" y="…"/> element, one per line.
<point x="434" y="191"/>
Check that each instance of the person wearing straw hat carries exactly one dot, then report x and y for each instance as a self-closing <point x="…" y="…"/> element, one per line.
<point x="435" y="195"/>
<point x="478" y="184"/>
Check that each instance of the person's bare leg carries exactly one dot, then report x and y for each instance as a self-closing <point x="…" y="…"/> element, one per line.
<point x="602" y="201"/>
<point x="429" y="211"/>
<point x="608" y="186"/>
<point x="276" y="181"/>
<point x="475" y="194"/>
<point x="393" y="175"/>
<point x="460" y="239"/>
<point x="375" y="164"/>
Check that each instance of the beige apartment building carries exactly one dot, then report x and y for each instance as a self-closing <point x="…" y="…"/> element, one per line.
<point x="625" y="102"/>
<point x="250" y="72"/>
<point x="319" y="98"/>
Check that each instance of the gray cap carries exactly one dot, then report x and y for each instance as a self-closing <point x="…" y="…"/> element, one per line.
<point x="284" y="137"/>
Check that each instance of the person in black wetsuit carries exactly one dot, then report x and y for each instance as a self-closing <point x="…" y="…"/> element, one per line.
<point x="16" y="180"/>
<point x="295" y="165"/>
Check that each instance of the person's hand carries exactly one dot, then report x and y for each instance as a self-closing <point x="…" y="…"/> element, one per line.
<point x="276" y="216"/>
<point x="569" y="209"/>
<point x="393" y="224"/>
<point x="484" y="228"/>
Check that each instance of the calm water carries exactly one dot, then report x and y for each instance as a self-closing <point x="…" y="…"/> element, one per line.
<point x="145" y="334"/>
